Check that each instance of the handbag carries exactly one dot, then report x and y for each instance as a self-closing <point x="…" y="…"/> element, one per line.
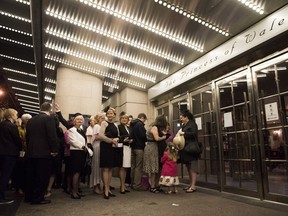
<point x="179" y="141"/>
<point x="194" y="147"/>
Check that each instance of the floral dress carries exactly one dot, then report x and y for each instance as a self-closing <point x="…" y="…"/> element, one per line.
<point x="169" y="175"/>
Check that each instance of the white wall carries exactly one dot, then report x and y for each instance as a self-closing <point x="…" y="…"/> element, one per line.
<point x="78" y="92"/>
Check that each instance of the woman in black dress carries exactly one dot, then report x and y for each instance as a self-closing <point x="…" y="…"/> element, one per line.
<point x="110" y="154"/>
<point x="190" y="132"/>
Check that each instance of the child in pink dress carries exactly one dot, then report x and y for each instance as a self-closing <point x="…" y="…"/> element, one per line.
<point x="169" y="175"/>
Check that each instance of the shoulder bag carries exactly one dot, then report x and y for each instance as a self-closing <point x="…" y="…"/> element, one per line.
<point x="194" y="147"/>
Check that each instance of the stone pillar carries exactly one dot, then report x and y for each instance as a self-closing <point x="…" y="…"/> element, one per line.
<point x="131" y="101"/>
<point x="78" y="92"/>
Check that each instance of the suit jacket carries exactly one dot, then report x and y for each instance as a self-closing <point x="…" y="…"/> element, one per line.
<point x="41" y="136"/>
<point x="10" y="141"/>
<point x="124" y="133"/>
<point x="138" y="134"/>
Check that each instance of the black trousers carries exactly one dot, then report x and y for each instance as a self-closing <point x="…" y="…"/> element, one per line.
<point x="6" y="167"/>
<point x="38" y="172"/>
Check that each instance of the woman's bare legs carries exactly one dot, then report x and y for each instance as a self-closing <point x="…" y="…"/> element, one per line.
<point x="107" y="175"/>
<point x="122" y="175"/>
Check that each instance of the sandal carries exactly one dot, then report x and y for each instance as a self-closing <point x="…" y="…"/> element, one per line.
<point x="190" y="190"/>
<point x="186" y="188"/>
<point x="154" y="190"/>
<point x="48" y="194"/>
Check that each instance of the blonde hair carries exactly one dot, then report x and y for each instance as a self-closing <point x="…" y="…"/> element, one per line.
<point x="111" y="109"/>
<point x="8" y="113"/>
<point x="98" y="117"/>
<point x="172" y="151"/>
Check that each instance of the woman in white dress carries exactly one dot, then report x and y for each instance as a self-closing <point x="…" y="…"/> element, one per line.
<point x="125" y="138"/>
<point x="89" y="131"/>
<point x="95" y="177"/>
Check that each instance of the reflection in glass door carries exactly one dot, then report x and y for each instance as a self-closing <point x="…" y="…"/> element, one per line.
<point x="202" y="109"/>
<point x="272" y="90"/>
<point x="178" y="105"/>
<point x="236" y="134"/>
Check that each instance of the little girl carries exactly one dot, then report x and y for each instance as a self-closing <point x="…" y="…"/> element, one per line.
<point x="169" y="176"/>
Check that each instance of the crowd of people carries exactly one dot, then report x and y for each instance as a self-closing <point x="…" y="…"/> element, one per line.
<point x="32" y="150"/>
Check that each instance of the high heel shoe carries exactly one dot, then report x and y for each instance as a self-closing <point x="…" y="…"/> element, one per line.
<point x="80" y="195"/>
<point x="106" y="196"/>
<point x="75" y="196"/>
<point x="124" y="191"/>
<point x="111" y="195"/>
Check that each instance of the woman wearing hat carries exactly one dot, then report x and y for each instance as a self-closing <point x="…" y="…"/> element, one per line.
<point x="189" y="131"/>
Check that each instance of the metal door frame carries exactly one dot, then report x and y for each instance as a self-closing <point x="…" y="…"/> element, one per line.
<point x="264" y="175"/>
<point x="208" y="87"/>
<point x="232" y="76"/>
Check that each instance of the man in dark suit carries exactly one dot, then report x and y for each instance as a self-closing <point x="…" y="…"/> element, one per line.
<point x="42" y="145"/>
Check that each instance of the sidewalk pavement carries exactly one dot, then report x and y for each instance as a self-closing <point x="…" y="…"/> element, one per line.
<point x="203" y="202"/>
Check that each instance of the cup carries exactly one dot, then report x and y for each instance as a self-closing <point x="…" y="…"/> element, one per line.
<point x="119" y="145"/>
<point x="21" y="153"/>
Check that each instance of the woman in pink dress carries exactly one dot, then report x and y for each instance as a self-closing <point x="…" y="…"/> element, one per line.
<point x="169" y="175"/>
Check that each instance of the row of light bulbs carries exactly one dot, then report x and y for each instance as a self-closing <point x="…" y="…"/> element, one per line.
<point x="123" y="39"/>
<point x="22" y="82"/>
<point x="49" y="66"/>
<point x="28" y="105"/>
<point x="27" y="108"/>
<point x="29" y="111"/>
<point x="192" y="16"/>
<point x="49" y="80"/>
<point x="23" y="2"/>
<point x="112" y="85"/>
<point x="16" y="42"/>
<point x="25" y="90"/>
<point x="105" y="49"/>
<point x="14" y="16"/>
<point x="47" y="97"/>
<point x="178" y="38"/>
<point x="15" y="30"/>
<point x="18" y="72"/>
<point x="30" y="102"/>
<point x="27" y="96"/>
<point x="105" y="63"/>
<point x="16" y="59"/>
<point x="50" y="90"/>
<point x="253" y="6"/>
<point x="93" y="71"/>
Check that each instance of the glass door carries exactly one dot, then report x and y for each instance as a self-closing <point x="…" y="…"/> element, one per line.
<point x="237" y="135"/>
<point x="271" y="79"/>
<point x="178" y="105"/>
<point x="204" y="114"/>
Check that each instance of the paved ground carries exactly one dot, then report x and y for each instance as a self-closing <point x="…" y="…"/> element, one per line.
<point x="203" y="202"/>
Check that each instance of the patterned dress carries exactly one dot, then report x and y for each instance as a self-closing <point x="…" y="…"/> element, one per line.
<point x="169" y="175"/>
<point x="151" y="158"/>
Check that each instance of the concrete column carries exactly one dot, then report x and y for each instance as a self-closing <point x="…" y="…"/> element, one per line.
<point x="131" y="101"/>
<point x="78" y="92"/>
